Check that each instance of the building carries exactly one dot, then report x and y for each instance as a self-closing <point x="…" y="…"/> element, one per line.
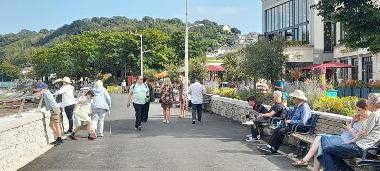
<point x="227" y="28"/>
<point x="313" y="40"/>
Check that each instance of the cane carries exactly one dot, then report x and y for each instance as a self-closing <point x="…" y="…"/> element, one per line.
<point x="109" y="117"/>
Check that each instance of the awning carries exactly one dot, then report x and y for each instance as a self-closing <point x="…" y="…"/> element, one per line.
<point x="328" y="66"/>
<point x="215" y="68"/>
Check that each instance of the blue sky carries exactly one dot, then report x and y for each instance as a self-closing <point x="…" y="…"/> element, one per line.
<point x="51" y="14"/>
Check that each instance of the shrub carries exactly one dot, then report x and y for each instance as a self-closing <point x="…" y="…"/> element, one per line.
<point x="265" y="98"/>
<point x="312" y="89"/>
<point x="343" y="106"/>
<point x="229" y="92"/>
<point x="374" y="84"/>
<point x="213" y="90"/>
<point x="114" y="89"/>
<point x="354" y="84"/>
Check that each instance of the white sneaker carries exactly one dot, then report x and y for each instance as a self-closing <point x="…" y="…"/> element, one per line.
<point x="167" y="122"/>
<point x="250" y="139"/>
<point x="164" y="121"/>
<point x="249" y="135"/>
<point x="100" y="135"/>
<point x="250" y="122"/>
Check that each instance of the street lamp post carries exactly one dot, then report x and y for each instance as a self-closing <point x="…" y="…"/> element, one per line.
<point x="141" y="53"/>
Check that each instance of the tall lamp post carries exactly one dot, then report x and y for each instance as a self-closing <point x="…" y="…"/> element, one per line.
<point x="187" y="28"/>
<point x="141" y="53"/>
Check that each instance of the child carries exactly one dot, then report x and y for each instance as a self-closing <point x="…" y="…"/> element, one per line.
<point x="82" y="113"/>
<point x="52" y="106"/>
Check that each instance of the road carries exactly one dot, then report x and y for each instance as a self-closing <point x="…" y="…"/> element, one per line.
<point x="215" y="144"/>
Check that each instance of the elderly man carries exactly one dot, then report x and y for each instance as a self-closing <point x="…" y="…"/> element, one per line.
<point x="332" y="156"/>
<point x="299" y="115"/>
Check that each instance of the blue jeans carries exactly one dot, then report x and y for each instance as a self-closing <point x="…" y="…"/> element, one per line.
<point x="69" y="113"/>
<point x="332" y="156"/>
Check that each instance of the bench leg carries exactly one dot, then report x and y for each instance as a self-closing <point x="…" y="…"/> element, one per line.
<point x="301" y="148"/>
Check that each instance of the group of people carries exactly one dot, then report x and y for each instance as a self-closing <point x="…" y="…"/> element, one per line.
<point x="328" y="150"/>
<point x="141" y="94"/>
<point x="87" y="111"/>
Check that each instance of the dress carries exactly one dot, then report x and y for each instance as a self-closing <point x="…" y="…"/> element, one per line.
<point x="182" y="94"/>
<point x="166" y="96"/>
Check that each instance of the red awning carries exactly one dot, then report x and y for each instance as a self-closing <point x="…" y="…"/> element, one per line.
<point x="328" y="66"/>
<point x="215" y="68"/>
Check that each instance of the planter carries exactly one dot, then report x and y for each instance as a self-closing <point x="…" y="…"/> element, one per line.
<point x="340" y="92"/>
<point x="332" y="93"/>
<point x="347" y="92"/>
<point x="375" y="90"/>
<point x="364" y="92"/>
<point x="356" y="92"/>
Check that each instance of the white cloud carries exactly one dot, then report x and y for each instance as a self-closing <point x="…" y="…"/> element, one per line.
<point x="219" y="11"/>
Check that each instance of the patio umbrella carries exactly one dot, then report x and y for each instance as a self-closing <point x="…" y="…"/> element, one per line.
<point x="215" y="68"/>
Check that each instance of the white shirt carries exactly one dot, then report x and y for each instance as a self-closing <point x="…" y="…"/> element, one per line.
<point x="196" y="91"/>
<point x="123" y="84"/>
<point x="67" y="92"/>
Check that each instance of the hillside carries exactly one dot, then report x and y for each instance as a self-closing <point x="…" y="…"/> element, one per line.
<point x="17" y="48"/>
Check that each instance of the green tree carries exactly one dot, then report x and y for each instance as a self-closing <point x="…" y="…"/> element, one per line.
<point x="360" y="20"/>
<point x="265" y="59"/>
<point x="174" y="72"/>
<point x="9" y="72"/>
<point x="197" y="68"/>
<point x="232" y="65"/>
<point x="150" y="73"/>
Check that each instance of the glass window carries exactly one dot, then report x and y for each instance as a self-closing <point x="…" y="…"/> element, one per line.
<point x="280" y="17"/>
<point x="286" y="14"/>
<point x="296" y="12"/>
<point x="308" y="33"/>
<point x="304" y="33"/>
<point x="355" y="70"/>
<point x="307" y="10"/>
<point x="291" y="13"/>
<point x="304" y="13"/>
<point x="275" y="18"/>
<point x="367" y="68"/>
<point x="270" y="20"/>
<point x="299" y="33"/>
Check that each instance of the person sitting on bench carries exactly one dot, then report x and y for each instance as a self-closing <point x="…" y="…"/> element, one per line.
<point x="369" y="136"/>
<point x="349" y="135"/>
<point x="299" y="116"/>
<point x="257" y="107"/>
<point x="275" y="111"/>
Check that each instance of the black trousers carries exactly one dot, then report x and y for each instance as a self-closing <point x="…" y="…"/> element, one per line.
<point x="278" y="135"/>
<point x="257" y="129"/>
<point x="145" y="112"/>
<point x="196" y="111"/>
<point x="138" y="114"/>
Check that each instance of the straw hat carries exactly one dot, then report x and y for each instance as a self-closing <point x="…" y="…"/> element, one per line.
<point x="65" y="79"/>
<point x="298" y="94"/>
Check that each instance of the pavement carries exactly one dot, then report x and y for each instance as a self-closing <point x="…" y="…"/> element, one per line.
<point x="215" y="144"/>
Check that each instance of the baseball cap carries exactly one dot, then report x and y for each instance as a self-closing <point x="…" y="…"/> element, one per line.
<point x="42" y="85"/>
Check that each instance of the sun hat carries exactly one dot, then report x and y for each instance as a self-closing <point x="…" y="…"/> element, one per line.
<point x="42" y="85"/>
<point x="298" y="94"/>
<point x="67" y="80"/>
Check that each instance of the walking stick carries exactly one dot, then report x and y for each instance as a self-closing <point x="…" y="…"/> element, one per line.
<point x="109" y="117"/>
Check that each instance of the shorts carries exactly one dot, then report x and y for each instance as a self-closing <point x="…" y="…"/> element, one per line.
<point x="55" y="115"/>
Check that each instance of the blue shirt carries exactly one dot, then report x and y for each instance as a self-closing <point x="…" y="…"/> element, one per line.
<point x="299" y="115"/>
<point x="346" y="136"/>
<point x="49" y="99"/>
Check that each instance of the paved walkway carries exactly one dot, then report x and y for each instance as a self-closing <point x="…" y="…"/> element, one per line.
<point x="215" y="144"/>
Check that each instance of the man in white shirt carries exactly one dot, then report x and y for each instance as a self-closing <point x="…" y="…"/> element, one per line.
<point x="68" y="101"/>
<point x="123" y="86"/>
<point x="196" y="91"/>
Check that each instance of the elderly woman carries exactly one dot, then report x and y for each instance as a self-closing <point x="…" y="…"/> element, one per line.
<point x="167" y="97"/>
<point x="348" y="136"/>
<point x="299" y="115"/>
<point x="182" y="96"/>
<point x="100" y="106"/>
<point x="369" y="136"/>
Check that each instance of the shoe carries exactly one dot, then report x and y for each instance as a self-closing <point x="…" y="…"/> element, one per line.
<point x="68" y="132"/>
<point x="164" y="121"/>
<point x="72" y="136"/>
<point x="91" y="137"/>
<point x="59" y="142"/>
<point x="249" y="135"/>
<point x="250" y="139"/>
<point x="266" y="149"/>
<point x="193" y="122"/>
<point x="100" y="135"/>
<point x="250" y="122"/>
<point x="54" y="142"/>
<point x="300" y="164"/>
<point x="139" y="128"/>
<point x="167" y="122"/>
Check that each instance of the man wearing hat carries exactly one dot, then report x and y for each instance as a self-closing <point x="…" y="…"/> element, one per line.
<point x="68" y="100"/>
<point x="299" y="115"/>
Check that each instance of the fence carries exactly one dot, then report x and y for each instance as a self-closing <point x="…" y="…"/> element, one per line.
<point x="359" y="92"/>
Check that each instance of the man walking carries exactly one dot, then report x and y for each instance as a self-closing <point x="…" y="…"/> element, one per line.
<point x="123" y="86"/>
<point x="144" y="117"/>
<point x="196" y="91"/>
<point x="68" y="101"/>
<point x="138" y="95"/>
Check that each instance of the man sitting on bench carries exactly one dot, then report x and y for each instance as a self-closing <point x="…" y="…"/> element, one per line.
<point x="259" y="122"/>
<point x="299" y="115"/>
<point x="332" y="156"/>
<point x="257" y="107"/>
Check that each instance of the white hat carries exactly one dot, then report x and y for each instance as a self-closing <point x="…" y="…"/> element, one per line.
<point x="66" y="79"/>
<point x="298" y="94"/>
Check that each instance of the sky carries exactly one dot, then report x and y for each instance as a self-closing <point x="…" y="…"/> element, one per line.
<point x="16" y="15"/>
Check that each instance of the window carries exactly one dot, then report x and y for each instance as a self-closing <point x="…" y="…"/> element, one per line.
<point x="355" y="70"/>
<point x="344" y="71"/>
<point x="367" y="68"/>
<point x="329" y="36"/>
<point x="296" y="12"/>
<point x="291" y="14"/>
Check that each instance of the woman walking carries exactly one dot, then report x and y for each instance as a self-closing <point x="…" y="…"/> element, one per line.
<point x="166" y="99"/>
<point x="100" y="106"/>
<point x="182" y="97"/>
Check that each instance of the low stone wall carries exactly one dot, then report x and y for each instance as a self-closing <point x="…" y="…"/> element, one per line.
<point x="25" y="138"/>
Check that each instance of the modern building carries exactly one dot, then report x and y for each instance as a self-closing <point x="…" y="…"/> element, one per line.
<point x="312" y="40"/>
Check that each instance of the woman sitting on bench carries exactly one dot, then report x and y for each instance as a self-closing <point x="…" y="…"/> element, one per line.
<point x="349" y="135"/>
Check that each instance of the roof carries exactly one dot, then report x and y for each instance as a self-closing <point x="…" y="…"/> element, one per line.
<point x="215" y="68"/>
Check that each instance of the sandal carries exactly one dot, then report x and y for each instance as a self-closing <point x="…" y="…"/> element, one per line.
<point x="300" y="163"/>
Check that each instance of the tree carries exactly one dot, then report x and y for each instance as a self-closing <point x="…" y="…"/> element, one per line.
<point x="150" y="73"/>
<point x="9" y="72"/>
<point x="232" y="65"/>
<point x="265" y="59"/>
<point x="360" y="21"/>
<point x="174" y="72"/>
<point x="197" y="68"/>
<point x="235" y="31"/>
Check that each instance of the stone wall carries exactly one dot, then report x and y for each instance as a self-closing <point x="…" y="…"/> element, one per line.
<point x="25" y="138"/>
